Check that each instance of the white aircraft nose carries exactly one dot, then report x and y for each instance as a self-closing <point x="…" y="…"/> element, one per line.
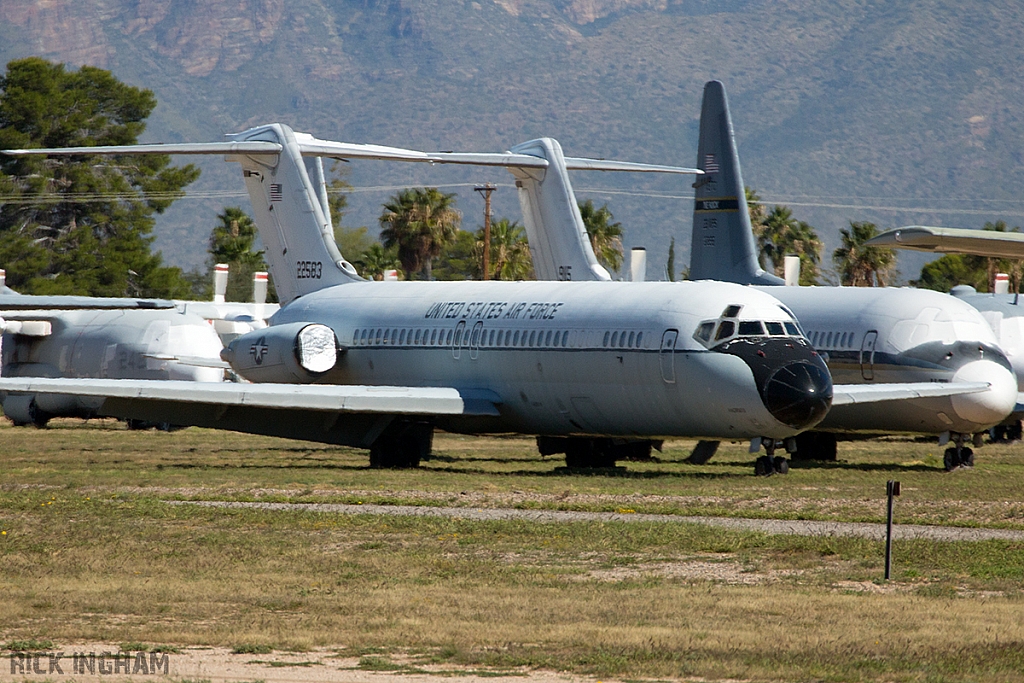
<point x="986" y="408"/>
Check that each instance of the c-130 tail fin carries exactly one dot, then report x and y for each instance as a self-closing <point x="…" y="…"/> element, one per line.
<point x="722" y="245"/>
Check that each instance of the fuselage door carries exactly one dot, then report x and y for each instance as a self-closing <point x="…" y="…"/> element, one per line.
<point x="474" y="342"/>
<point x="867" y="355"/>
<point x="460" y="331"/>
<point x="668" y="347"/>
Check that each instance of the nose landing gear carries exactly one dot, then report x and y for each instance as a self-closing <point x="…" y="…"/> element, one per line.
<point x="769" y="464"/>
<point x="958" y="455"/>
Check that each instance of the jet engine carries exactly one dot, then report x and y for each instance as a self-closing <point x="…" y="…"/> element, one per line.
<point x="292" y="353"/>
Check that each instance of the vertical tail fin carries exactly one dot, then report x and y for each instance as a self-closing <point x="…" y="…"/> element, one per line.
<point x="722" y="244"/>
<point x="559" y="243"/>
<point x="292" y="215"/>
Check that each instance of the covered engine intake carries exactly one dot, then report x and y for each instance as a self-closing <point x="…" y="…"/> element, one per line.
<point x="296" y="352"/>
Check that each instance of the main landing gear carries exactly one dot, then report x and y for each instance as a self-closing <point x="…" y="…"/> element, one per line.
<point x="402" y="445"/>
<point x="957" y="455"/>
<point x="589" y="453"/>
<point x="769" y="464"/>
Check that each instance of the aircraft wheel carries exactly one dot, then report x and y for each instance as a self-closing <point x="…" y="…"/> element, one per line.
<point x="967" y="457"/>
<point x="1013" y="432"/>
<point x="402" y="446"/>
<point x="950" y="459"/>
<point x="763" y="466"/>
<point x="781" y="466"/>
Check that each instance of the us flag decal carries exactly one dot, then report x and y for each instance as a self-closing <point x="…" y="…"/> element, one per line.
<point x="275" y="192"/>
<point x="710" y="165"/>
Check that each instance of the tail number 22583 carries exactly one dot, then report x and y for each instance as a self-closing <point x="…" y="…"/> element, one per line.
<point x="309" y="270"/>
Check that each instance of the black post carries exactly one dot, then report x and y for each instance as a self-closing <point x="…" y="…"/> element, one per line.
<point x="892" y="488"/>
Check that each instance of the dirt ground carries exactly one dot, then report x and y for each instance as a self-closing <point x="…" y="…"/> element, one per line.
<point x="198" y="665"/>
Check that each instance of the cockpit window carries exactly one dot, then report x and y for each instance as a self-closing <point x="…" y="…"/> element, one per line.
<point x="793" y="329"/>
<point x="731" y="311"/>
<point x="751" y="328"/>
<point x="725" y="330"/>
<point x="775" y="329"/>
<point x="704" y="331"/>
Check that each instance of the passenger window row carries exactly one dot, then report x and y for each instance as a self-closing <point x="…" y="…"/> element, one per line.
<point x="488" y="338"/>
<point x="461" y="336"/>
<point x="620" y="340"/>
<point x="832" y="340"/>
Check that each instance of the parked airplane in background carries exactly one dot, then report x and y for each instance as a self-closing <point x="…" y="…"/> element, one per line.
<point x="72" y="336"/>
<point x="1002" y="310"/>
<point x="596" y="364"/>
<point x="866" y="335"/>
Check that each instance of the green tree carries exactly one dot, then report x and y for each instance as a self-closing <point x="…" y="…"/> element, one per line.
<point x="670" y="266"/>
<point x="376" y="259"/>
<point x="82" y="224"/>
<point x="951" y="270"/>
<point x="510" y="257"/>
<point x="233" y="241"/>
<point x="755" y="209"/>
<point x="605" y="236"/>
<point x="779" y="234"/>
<point x="419" y="222"/>
<point x="460" y="259"/>
<point x="352" y="242"/>
<point x="858" y="265"/>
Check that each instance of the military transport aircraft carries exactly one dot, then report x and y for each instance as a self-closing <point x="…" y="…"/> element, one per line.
<point x="379" y="364"/>
<point x="866" y="335"/>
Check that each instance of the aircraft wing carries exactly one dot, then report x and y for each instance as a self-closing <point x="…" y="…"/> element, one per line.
<point x="346" y="415"/>
<point x="29" y="302"/>
<point x="320" y="397"/>
<point x="846" y="394"/>
<point x="953" y="241"/>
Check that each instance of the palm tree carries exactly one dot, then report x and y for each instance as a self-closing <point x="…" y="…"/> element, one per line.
<point x="773" y="238"/>
<point x="861" y="266"/>
<point x="780" y="235"/>
<point x="375" y="260"/>
<point x="605" y="236"/>
<point x="419" y="222"/>
<point x="510" y="252"/>
<point x="755" y="209"/>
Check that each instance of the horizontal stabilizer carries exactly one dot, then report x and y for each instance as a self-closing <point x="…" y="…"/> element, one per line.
<point x="989" y="243"/>
<point x="846" y="394"/>
<point x="319" y="397"/>
<point x="247" y="148"/>
<point x="29" y="302"/>
<point x="581" y="164"/>
<point x="312" y="147"/>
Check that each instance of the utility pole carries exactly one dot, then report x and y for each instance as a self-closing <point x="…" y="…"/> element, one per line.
<point x="486" y="191"/>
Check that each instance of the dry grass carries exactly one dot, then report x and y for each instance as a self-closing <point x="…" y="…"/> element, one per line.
<point x="92" y="554"/>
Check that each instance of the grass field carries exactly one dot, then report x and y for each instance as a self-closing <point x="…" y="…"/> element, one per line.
<point x="90" y="552"/>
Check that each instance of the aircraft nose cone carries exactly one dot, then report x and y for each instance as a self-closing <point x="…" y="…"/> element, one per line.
<point x="798" y="394"/>
<point x="792" y="379"/>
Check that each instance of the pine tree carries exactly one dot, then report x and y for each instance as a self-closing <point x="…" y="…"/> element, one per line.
<point x="81" y="224"/>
